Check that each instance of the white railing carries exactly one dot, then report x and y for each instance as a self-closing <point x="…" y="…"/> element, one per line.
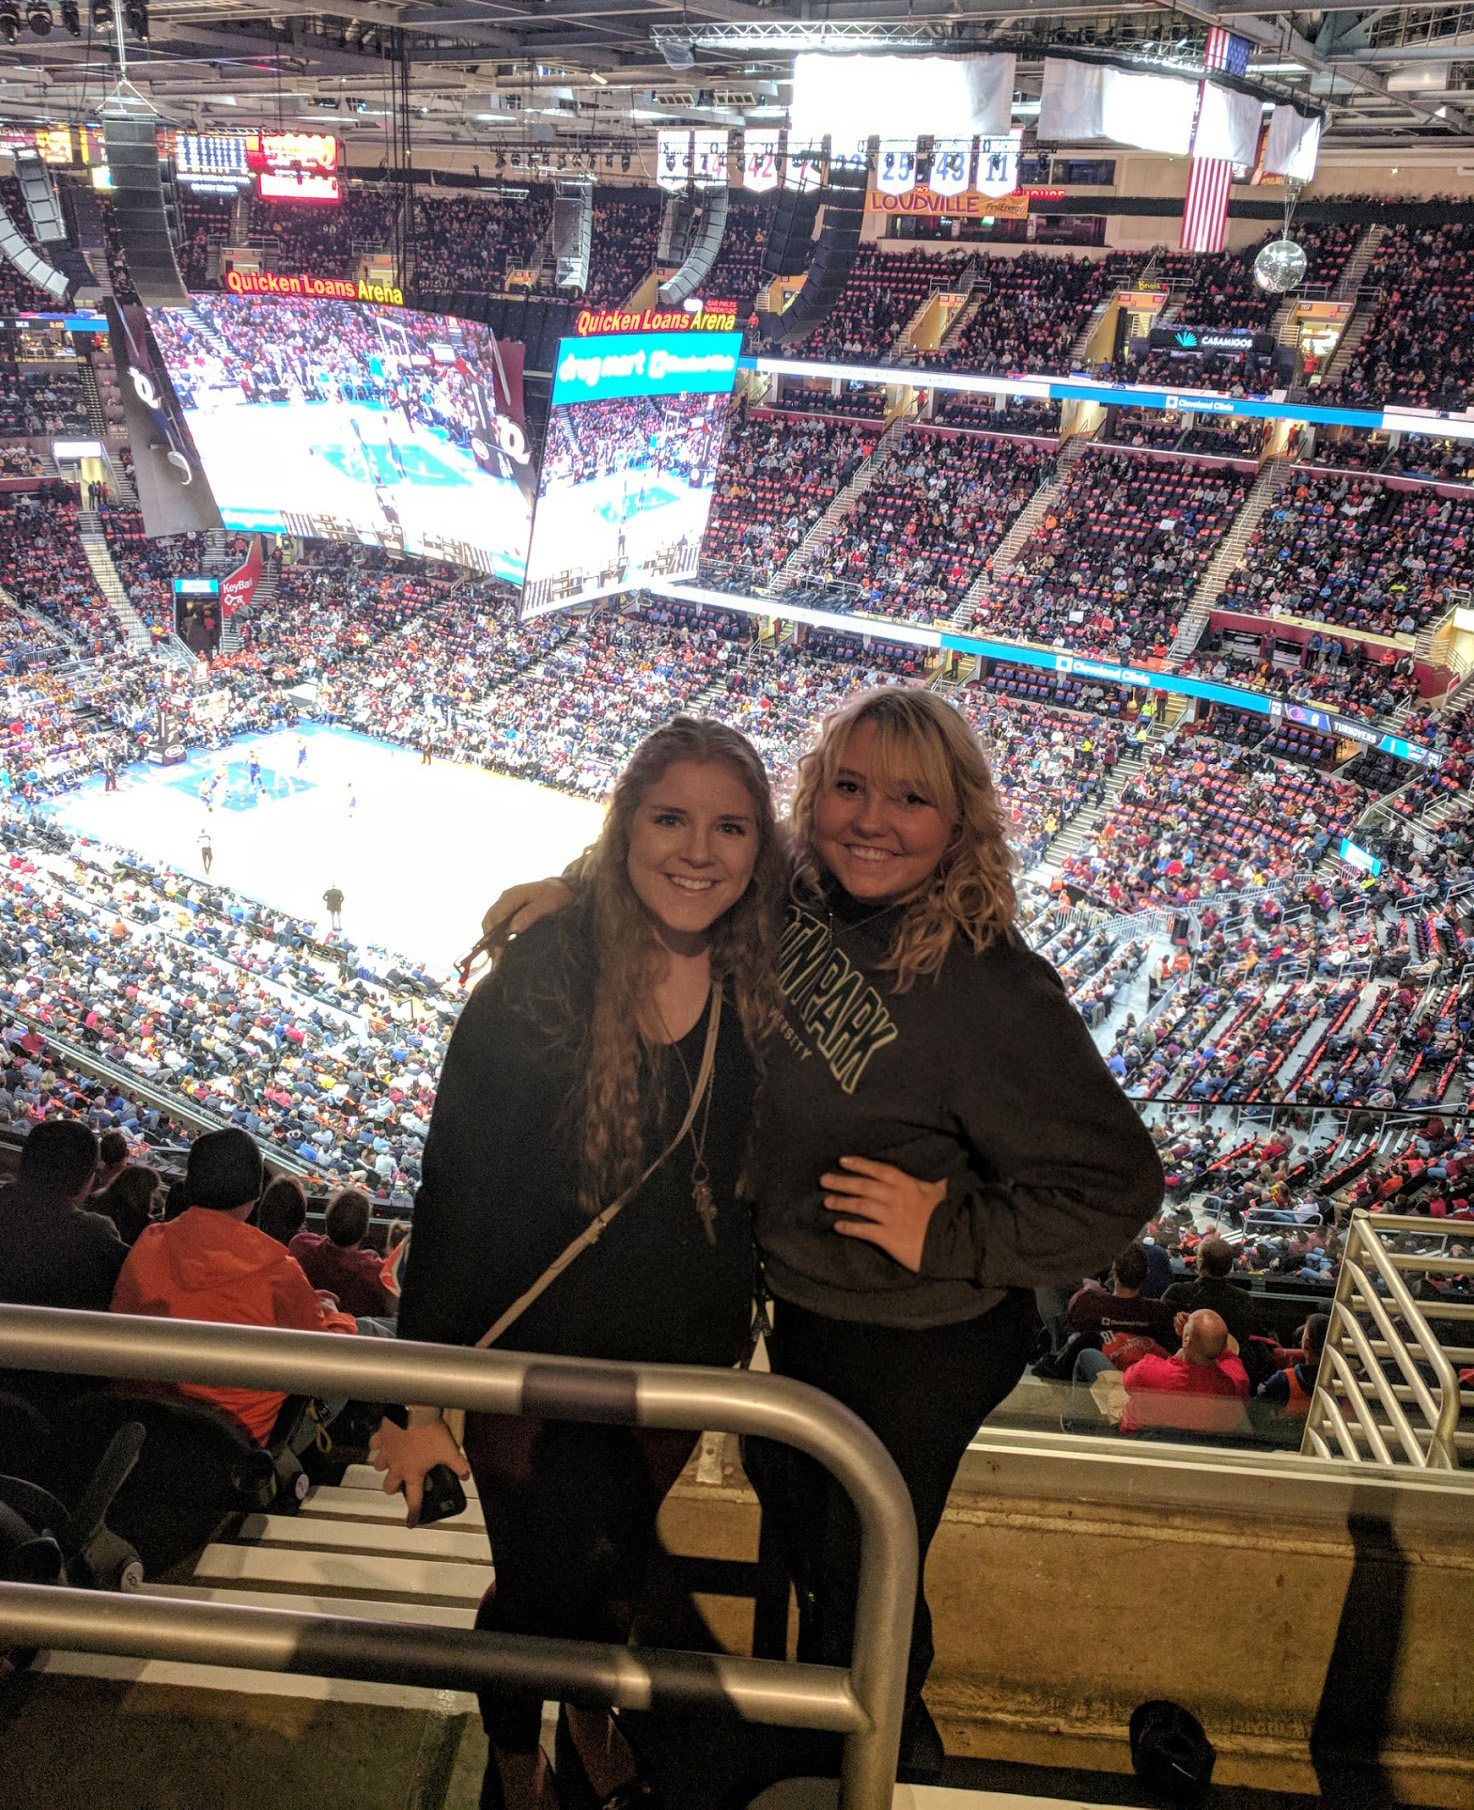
<point x="1387" y="1391"/>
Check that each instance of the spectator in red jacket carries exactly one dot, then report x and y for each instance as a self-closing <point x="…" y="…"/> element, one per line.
<point x="335" y="1260"/>
<point x="209" y="1264"/>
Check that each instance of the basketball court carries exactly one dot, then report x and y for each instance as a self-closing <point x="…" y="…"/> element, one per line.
<point x="418" y="852"/>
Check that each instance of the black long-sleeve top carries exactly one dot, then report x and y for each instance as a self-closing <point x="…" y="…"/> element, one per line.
<point x="498" y="1200"/>
<point x="985" y="1077"/>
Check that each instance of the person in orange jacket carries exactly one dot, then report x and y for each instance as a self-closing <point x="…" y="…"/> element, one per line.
<point x="209" y="1264"/>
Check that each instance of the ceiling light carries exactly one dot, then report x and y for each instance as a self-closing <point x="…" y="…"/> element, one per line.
<point x="71" y="17"/>
<point x="40" y="17"/>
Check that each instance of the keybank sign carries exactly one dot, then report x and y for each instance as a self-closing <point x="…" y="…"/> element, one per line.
<point x="645" y="364"/>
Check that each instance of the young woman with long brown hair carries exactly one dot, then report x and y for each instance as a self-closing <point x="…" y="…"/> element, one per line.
<point x="574" y="1068"/>
<point x="936" y="1137"/>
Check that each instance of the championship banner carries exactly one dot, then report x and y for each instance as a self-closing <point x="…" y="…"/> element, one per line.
<point x="239" y="587"/>
<point x="895" y="167"/>
<point x="760" y="159"/>
<point x="672" y="159"/>
<point x="951" y="166"/>
<point x="710" y="158"/>
<point x="998" y="164"/>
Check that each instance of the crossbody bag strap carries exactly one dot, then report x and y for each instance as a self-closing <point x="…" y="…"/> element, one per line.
<point x="593" y="1230"/>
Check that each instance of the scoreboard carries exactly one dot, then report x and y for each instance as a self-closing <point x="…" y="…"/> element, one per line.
<point x="280" y="166"/>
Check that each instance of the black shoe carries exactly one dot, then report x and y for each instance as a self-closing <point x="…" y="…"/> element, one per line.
<point x="923" y="1757"/>
<point x="576" y="1788"/>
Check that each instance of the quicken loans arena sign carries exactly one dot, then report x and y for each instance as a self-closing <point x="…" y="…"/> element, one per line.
<point x="710" y="317"/>
<point x="338" y="289"/>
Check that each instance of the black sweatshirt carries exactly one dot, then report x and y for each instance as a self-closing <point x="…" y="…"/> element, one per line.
<point x="498" y="1199"/>
<point x="985" y="1077"/>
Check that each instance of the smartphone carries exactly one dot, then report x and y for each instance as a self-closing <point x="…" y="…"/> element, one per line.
<point x="443" y="1495"/>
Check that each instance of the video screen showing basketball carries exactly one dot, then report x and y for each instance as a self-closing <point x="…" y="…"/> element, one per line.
<point x="340" y="420"/>
<point x="629" y="464"/>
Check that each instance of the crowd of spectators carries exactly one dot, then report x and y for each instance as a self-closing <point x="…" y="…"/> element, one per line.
<point x="1416" y="350"/>
<point x="1025" y="313"/>
<point x="1000" y="414"/>
<point x="917" y="539"/>
<point x="884" y="289"/>
<point x="1118" y="553"/>
<point x="241" y="1014"/>
<point x="778" y="475"/>
<point x="1200" y="816"/>
<point x="44" y="568"/>
<point x="1327" y="673"/>
<point x="1354" y="552"/>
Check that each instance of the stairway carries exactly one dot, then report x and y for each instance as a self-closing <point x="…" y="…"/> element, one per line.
<point x="1006" y="553"/>
<point x="1081" y="827"/>
<point x="1223" y="562"/>
<point x="230" y="633"/>
<point x="86" y="213"/>
<point x="823" y="530"/>
<point x="966" y="280"/>
<point x="94" y="545"/>
<point x="1349" y="341"/>
<point x="1358" y="263"/>
<point x="1087" y="332"/>
<point x="960" y="325"/>
<point x="113" y="427"/>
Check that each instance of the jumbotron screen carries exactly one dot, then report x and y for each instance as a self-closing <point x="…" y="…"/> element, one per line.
<point x="629" y="464"/>
<point x="342" y="420"/>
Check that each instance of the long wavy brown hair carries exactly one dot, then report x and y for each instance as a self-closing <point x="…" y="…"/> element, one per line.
<point x="597" y="1013"/>
<point x="923" y="742"/>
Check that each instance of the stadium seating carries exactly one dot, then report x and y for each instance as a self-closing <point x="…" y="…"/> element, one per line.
<point x="1024" y="313"/>
<point x="1415" y="350"/>
<point x="778" y="475"/>
<point x="1351" y="551"/>
<point x="884" y="290"/>
<point x="1201" y="817"/>
<point x="1118" y="553"/>
<point x="916" y="540"/>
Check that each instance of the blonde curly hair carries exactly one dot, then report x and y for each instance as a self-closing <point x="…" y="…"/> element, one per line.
<point x="923" y="742"/>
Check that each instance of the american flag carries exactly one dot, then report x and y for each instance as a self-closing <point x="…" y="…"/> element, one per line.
<point x="1205" y="214"/>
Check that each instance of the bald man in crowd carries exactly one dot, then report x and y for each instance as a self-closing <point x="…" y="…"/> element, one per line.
<point x="1201" y="1389"/>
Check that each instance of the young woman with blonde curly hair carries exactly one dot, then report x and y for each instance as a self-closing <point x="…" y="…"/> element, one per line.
<point x="936" y="1136"/>
<point x="612" y="1056"/>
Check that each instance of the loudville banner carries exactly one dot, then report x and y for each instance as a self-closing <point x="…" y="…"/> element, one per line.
<point x="239" y="587"/>
<point x="968" y="206"/>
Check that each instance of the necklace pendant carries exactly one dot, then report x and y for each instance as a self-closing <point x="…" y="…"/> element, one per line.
<point x="706" y="1207"/>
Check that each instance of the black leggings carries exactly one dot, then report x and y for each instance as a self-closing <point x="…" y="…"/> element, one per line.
<point x="925" y="1393"/>
<point x="570" y="1512"/>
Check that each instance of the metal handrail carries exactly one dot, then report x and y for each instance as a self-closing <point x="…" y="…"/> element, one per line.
<point x="863" y="1703"/>
<point x="1353" y="1381"/>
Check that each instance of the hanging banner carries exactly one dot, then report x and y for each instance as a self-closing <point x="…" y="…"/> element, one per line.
<point x="895" y="167"/>
<point x="239" y="587"/>
<point x="673" y="159"/>
<point x="710" y="158"/>
<point x="925" y="201"/>
<point x="951" y="166"/>
<point x="804" y="168"/>
<point x="760" y="159"/>
<point x="998" y="164"/>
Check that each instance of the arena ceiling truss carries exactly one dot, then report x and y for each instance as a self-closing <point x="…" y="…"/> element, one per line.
<point x="603" y="74"/>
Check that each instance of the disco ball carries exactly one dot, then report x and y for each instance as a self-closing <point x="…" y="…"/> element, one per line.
<point x="1280" y="266"/>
